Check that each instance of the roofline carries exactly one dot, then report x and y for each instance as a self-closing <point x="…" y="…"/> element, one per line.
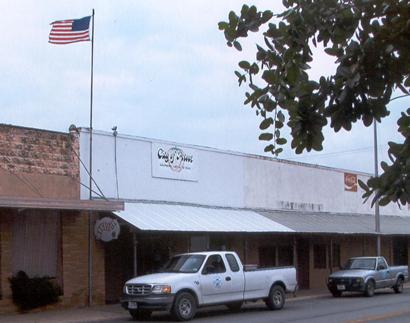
<point x="255" y="209"/>
<point x="229" y="152"/>
<point x="34" y="129"/>
<point x="60" y="204"/>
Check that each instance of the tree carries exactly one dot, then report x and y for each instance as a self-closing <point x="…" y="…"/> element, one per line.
<point x="370" y="41"/>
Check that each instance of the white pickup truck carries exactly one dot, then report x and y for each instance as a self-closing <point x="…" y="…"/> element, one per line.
<point x="193" y="280"/>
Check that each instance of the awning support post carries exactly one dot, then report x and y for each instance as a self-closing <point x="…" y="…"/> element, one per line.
<point x="245" y="250"/>
<point x="331" y="255"/>
<point x="90" y="259"/>
<point x="135" y="253"/>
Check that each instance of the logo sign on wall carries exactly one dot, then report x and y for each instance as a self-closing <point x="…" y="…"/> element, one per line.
<point x="350" y="182"/>
<point x="174" y="162"/>
<point x="106" y="229"/>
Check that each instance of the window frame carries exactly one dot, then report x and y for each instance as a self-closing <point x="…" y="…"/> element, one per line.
<point x="204" y="270"/>
<point x="238" y="268"/>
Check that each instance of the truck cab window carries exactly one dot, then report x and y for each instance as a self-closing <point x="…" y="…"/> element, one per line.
<point x="233" y="264"/>
<point x="382" y="264"/>
<point x="214" y="265"/>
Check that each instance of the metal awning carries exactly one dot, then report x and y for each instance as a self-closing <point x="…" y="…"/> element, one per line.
<point x="60" y="204"/>
<point x="186" y="218"/>
<point x="304" y="222"/>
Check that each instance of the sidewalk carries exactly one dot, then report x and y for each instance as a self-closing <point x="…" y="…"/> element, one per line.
<point x="115" y="312"/>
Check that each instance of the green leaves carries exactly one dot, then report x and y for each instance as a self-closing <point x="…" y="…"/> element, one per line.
<point x="244" y="65"/>
<point x="237" y="45"/>
<point x="369" y="43"/>
<point x="265" y="136"/>
<point x="266" y="123"/>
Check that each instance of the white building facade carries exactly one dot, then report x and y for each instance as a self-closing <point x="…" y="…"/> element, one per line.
<point x="195" y="197"/>
<point x="204" y="176"/>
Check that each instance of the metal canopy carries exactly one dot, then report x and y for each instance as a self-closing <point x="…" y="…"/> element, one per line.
<point x="60" y="204"/>
<point x="303" y="222"/>
<point x="185" y="218"/>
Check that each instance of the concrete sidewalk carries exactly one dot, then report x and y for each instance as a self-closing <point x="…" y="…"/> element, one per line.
<point x="115" y="312"/>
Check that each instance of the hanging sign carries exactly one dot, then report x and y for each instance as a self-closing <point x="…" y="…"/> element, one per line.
<point x="174" y="162"/>
<point x="350" y="182"/>
<point x="106" y="229"/>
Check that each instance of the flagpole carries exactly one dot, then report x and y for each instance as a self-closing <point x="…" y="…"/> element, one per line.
<point x="91" y="106"/>
<point x="90" y="231"/>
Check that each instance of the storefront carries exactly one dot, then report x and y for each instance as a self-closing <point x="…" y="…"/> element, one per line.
<point x="44" y="226"/>
<point x="182" y="198"/>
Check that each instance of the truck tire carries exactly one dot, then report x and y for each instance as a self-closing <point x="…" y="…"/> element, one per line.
<point x="369" y="288"/>
<point x="140" y="315"/>
<point x="398" y="288"/>
<point x="235" y="306"/>
<point x="336" y="293"/>
<point x="276" y="298"/>
<point x="184" y="308"/>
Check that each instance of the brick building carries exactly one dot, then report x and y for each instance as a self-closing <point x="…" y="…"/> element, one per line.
<point x="178" y="198"/>
<point x="43" y="223"/>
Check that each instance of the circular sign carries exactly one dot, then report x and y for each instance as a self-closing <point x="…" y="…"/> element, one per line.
<point x="106" y="229"/>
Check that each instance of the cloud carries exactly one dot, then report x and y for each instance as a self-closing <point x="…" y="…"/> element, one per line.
<point x="161" y="69"/>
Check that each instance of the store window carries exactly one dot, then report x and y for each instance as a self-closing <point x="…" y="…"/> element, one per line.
<point x="400" y="251"/>
<point x="267" y="256"/>
<point x="199" y="243"/>
<point x="36" y="243"/>
<point x="217" y="243"/>
<point x="319" y="255"/>
<point x="285" y="255"/>
<point x="335" y="255"/>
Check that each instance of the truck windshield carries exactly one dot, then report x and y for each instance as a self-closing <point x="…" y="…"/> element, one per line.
<point x="184" y="264"/>
<point x="361" y="263"/>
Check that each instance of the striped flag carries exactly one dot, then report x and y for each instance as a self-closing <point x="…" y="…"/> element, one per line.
<point x="70" y="31"/>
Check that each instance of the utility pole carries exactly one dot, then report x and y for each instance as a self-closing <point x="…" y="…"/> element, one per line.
<point x="376" y="206"/>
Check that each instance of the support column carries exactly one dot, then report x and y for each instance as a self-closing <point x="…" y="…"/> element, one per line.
<point x="245" y="250"/>
<point x="135" y="254"/>
<point x="295" y="253"/>
<point x="331" y="255"/>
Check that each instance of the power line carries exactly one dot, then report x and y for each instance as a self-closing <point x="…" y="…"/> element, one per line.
<point x="82" y="163"/>
<point x="350" y="151"/>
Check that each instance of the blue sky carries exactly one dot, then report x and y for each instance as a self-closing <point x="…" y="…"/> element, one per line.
<point x="161" y="70"/>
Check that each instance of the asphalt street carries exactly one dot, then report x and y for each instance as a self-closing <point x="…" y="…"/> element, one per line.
<point x="385" y="306"/>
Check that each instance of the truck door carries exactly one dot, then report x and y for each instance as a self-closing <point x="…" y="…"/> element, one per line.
<point x="382" y="274"/>
<point x="236" y="278"/>
<point x="214" y="281"/>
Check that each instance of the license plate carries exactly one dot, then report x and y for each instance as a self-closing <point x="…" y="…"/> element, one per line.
<point x="341" y="287"/>
<point x="132" y="305"/>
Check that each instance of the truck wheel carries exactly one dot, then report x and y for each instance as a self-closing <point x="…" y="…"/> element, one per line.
<point x="336" y="293"/>
<point x="140" y="315"/>
<point x="235" y="306"/>
<point x="276" y="298"/>
<point x="369" y="289"/>
<point x="398" y="288"/>
<point x="184" y="307"/>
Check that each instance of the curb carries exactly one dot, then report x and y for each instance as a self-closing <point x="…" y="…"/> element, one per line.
<point x="301" y="298"/>
<point x="322" y="295"/>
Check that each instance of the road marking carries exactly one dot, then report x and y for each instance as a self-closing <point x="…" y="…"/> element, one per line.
<point x="380" y="317"/>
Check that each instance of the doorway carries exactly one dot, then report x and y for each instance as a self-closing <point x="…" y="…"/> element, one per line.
<point x="303" y="263"/>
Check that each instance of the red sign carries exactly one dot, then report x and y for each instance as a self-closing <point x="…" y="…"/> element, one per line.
<point x="350" y="182"/>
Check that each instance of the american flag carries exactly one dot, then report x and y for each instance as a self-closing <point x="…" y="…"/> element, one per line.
<point x="70" y="31"/>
